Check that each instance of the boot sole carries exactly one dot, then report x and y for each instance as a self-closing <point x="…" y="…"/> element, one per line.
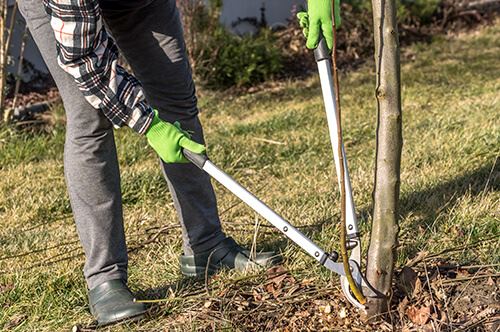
<point x="130" y="319"/>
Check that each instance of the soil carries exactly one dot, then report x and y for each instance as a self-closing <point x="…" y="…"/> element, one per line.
<point x="431" y="296"/>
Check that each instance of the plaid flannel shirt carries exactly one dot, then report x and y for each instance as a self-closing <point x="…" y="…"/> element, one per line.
<point x="89" y="54"/>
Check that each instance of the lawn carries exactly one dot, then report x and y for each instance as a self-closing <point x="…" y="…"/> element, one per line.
<point x="275" y="142"/>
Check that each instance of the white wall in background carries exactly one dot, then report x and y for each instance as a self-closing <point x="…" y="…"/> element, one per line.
<point x="277" y="11"/>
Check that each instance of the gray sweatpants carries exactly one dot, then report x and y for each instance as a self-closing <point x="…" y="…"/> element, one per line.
<point x="150" y="38"/>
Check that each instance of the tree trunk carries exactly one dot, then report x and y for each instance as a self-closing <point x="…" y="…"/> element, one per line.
<point x="5" y="40"/>
<point x="8" y="112"/>
<point x="382" y="249"/>
<point x="3" y="53"/>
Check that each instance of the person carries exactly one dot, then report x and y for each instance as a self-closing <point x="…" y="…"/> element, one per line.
<point x="79" y="42"/>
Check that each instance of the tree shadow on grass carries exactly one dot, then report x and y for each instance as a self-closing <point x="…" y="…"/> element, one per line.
<point x="278" y="242"/>
<point x="427" y="204"/>
<point x="182" y="287"/>
<point x="431" y="202"/>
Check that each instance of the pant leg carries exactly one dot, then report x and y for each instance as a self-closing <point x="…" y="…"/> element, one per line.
<point x="151" y="39"/>
<point x="90" y="164"/>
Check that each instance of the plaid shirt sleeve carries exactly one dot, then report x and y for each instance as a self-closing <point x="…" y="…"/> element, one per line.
<point x="89" y="54"/>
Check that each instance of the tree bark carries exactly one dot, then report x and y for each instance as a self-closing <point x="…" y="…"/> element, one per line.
<point x="5" y="40"/>
<point x="8" y="112"/>
<point x="382" y="249"/>
<point x="3" y="55"/>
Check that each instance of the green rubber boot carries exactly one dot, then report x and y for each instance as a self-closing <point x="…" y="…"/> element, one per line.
<point x="112" y="302"/>
<point x="227" y="254"/>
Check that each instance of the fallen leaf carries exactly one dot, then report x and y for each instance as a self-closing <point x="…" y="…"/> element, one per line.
<point x="275" y="270"/>
<point x="303" y="314"/>
<point x="5" y="288"/>
<point x="462" y="273"/>
<point x="440" y="293"/>
<point x="466" y="299"/>
<point x="257" y="296"/>
<point x="270" y="288"/>
<point x="15" y="321"/>
<point x="277" y="275"/>
<point x="342" y="313"/>
<point x="418" y="288"/>
<point x="319" y="302"/>
<point x="278" y="279"/>
<point x="223" y="292"/>
<point x="444" y="317"/>
<point x="428" y="328"/>
<point x="308" y="281"/>
<point x="420" y="257"/>
<point x="419" y="316"/>
<point x="402" y="306"/>
<point x="407" y="280"/>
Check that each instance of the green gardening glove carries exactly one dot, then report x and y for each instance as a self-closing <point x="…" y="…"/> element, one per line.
<point x="318" y="20"/>
<point x="168" y="140"/>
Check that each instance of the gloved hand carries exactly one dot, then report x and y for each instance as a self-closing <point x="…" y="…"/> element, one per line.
<point x="318" y="18"/>
<point x="168" y="140"/>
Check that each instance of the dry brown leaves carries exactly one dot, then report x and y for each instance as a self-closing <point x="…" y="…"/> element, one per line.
<point x="279" y="280"/>
<point x="419" y="315"/>
<point x="431" y="296"/>
<point x="444" y="296"/>
<point x="30" y="98"/>
<point x="15" y="321"/>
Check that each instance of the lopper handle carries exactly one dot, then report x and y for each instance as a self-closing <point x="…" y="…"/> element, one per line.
<point x="321" y="52"/>
<point x="199" y="159"/>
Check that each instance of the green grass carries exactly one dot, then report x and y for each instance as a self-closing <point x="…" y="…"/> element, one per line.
<point x="450" y="193"/>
